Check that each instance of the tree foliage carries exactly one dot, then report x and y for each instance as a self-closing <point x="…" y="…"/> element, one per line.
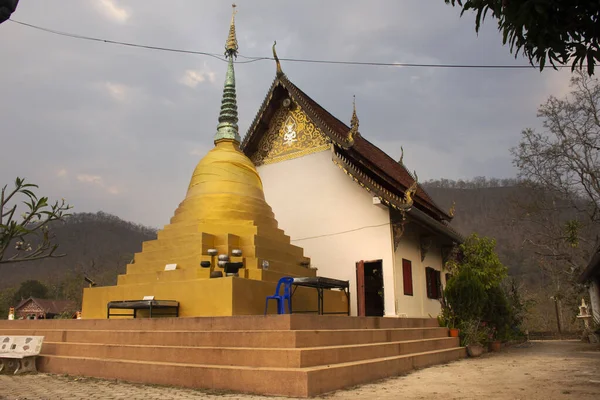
<point x="558" y="31"/>
<point x="30" y="288"/>
<point x="478" y="255"/>
<point x="29" y="234"/>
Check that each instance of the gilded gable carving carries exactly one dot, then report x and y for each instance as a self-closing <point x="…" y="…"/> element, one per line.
<point x="291" y="134"/>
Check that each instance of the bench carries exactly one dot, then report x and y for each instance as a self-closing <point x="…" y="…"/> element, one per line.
<point x="18" y="353"/>
<point x="170" y="307"/>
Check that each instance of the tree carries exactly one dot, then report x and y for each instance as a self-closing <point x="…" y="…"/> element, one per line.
<point x="30" y="234"/>
<point x="7" y="7"/>
<point x="561" y="168"/>
<point x="30" y="288"/>
<point x="478" y="255"/>
<point x="566" y="158"/>
<point x="553" y="30"/>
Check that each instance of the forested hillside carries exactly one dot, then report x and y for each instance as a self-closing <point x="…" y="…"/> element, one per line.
<point x="97" y="245"/>
<point x="513" y="215"/>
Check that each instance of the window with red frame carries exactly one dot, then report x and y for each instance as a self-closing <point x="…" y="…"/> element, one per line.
<point x="407" y="277"/>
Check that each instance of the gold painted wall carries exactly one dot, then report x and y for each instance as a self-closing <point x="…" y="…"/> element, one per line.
<point x="209" y="297"/>
<point x="291" y="134"/>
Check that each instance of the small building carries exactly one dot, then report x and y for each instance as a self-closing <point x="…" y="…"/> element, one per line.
<point x="591" y="276"/>
<point x="43" y="308"/>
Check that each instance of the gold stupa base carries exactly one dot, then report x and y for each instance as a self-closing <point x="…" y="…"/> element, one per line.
<point x="225" y="296"/>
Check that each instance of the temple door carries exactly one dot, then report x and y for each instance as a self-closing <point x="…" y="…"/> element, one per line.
<point x="360" y="288"/>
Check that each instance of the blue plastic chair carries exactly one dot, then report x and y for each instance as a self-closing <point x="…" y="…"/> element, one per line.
<point x="286" y="281"/>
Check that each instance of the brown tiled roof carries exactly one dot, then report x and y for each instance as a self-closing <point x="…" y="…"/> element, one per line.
<point x="50" y="306"/>
<point x="364" y="153"/>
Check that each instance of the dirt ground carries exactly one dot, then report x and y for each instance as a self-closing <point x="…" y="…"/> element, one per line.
<point x="546" y="370"/>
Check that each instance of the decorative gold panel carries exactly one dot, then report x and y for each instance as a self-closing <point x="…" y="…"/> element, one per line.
<point x="291" y="134"/>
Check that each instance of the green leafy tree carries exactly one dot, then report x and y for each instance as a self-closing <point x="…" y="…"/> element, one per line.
<point x="27" y="238"/>
<point x="558" y="31"/>
<point x="30" y="288"/>
<point x="478" y="255"/>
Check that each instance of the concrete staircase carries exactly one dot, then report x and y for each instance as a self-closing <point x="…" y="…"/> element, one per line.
<point x="289" y="355"/>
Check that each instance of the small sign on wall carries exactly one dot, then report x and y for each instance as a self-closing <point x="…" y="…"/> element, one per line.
<point x="170" y="267"/>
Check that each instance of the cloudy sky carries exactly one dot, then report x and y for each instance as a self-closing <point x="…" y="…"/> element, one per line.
<point x="120" y="129"/>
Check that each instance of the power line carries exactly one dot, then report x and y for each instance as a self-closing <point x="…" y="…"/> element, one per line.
<point x="254" y="59"/>
<point x="342" y="232"/>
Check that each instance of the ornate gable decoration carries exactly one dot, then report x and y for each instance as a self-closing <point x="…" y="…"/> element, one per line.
<point x="291" y="134"/>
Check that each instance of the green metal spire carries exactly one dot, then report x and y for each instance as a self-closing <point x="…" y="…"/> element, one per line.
<point x="228" y="118"/>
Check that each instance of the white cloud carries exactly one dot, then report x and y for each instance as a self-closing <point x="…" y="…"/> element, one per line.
<point x="111" y="10"/>
<point x="192" y="78"/>
<point x="98" y="181"/>
<point x="117" y="91"/>
<point x="61" y="173"/>
<point x="89" y="178"/>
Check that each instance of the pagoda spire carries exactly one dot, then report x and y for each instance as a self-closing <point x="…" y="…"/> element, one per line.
<point x="228" y="118"/>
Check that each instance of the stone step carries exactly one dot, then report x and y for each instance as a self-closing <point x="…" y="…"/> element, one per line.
<point x="296" y="382"/>
<point x="324" y="379"/>
<point x="255" y="339"/>
<point x="247" y="356"/>
<point x="236" y="323"/>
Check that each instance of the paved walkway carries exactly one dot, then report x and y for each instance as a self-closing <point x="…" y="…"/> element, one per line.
<point x="538" y="370"/>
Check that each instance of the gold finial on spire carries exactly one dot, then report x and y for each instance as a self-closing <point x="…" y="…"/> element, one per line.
<point x="228" y="118"/>
<point x="353" y="123"/>
<point x="279" y="70"/>
<point x="401" y="156"/>
<point x="231" y="46"/>
<point x="452" y="209"/>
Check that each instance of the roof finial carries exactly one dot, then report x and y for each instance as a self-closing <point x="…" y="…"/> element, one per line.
<point x="228" y="118"/>
<point x="353" y="123"/>
<point x="401" y="156"/>
<point x="452" y="209"/>
<point x="231" y="46"/>
<point x="279" y="70"/>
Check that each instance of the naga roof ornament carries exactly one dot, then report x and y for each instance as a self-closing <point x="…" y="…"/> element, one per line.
<point x="228" y="117"/>
<point x="452" y="209"/>
<point x="401" y="161"/>
<point x="412" y="190"/>
<point x="279" y="70"/>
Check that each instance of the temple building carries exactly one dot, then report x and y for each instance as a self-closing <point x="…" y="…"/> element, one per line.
<point x="224" y="219"/>
<point x="360" y="215"/>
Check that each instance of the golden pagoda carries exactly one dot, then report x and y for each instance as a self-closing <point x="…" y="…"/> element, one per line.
<point x="224" y="219"/>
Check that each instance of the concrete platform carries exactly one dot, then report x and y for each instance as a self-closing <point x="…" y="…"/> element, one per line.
<point x="289" y="355"/>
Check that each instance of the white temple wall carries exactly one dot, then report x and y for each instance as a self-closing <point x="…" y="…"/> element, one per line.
<point x="332" y="217"/>
<point x="417" y="305"/>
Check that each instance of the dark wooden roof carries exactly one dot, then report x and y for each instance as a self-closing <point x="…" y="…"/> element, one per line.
<point x="50" y="306"/>
<point x="374" y="162"/>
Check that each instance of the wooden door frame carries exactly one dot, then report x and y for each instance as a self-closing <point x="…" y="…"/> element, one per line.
<point x="360" y="286"/>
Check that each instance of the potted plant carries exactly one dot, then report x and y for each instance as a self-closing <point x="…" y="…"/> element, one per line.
<point x="494" y="342"/>
<point x="473" y="334"/>
<point x="447" y="318"/>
